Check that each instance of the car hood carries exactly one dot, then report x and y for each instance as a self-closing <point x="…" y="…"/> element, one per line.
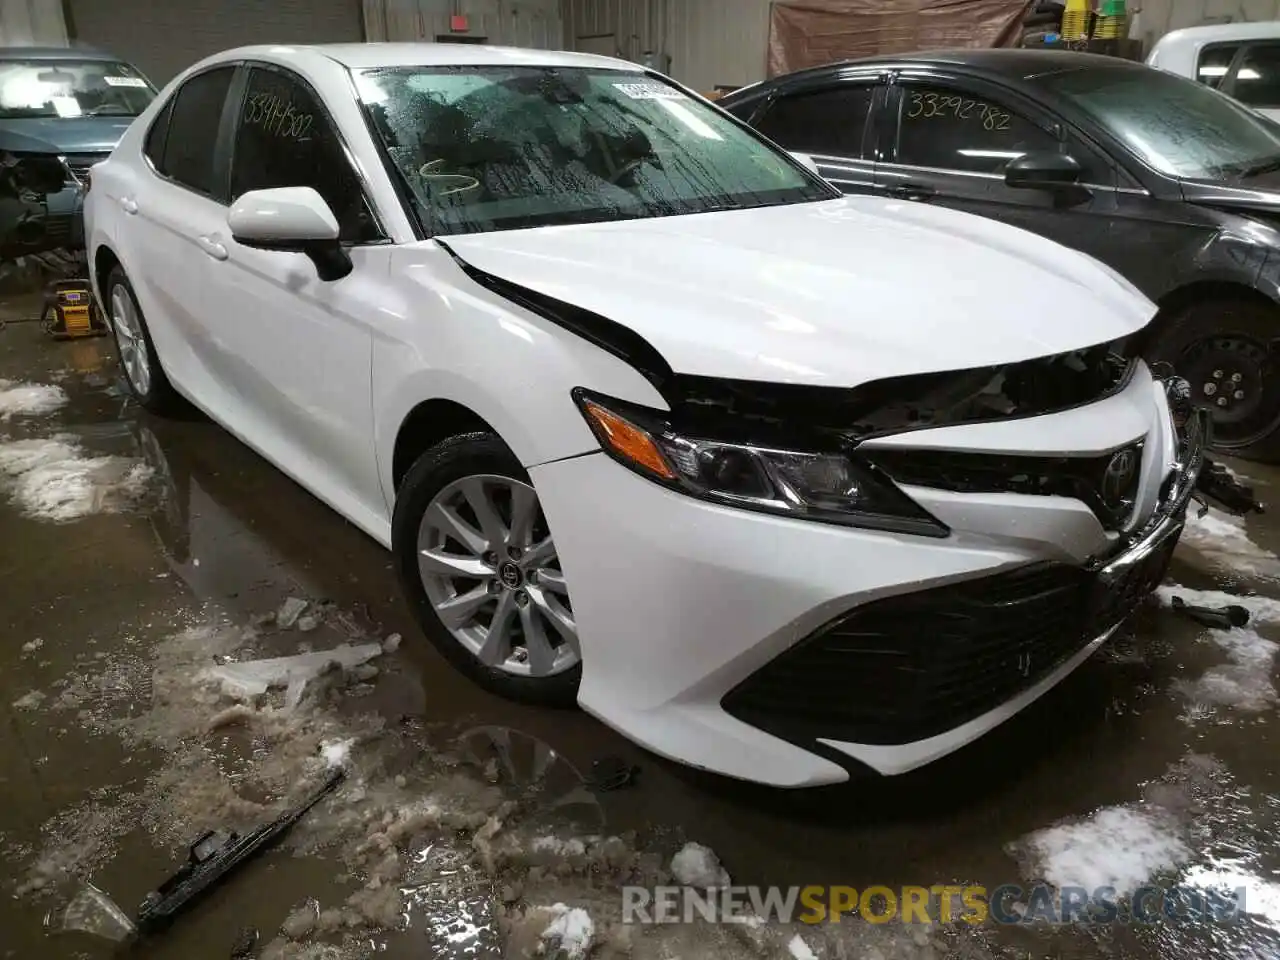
<point x="835" y="293"/>
<point x="63" y="134"/>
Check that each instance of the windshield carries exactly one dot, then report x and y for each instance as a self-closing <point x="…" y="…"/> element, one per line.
<point x="501" y="148"/>
<point x="71" y="88"/>
<point x="1180" y="127"/>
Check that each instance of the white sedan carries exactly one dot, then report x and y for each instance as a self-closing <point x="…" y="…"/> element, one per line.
<point x="779" y="483"/>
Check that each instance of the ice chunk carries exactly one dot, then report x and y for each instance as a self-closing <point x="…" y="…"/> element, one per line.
<point x="392" y="643"/>
<point x="571" y="931"/>
<point x="253" y="678"/>
<point x="93" y="912"/>
<point x="698" y="866"/>
<point x="801" y="950"/>
<point x="290" y="611"/>
<point x="336" y="752"/>
<point x="29" y="702"/>
<point x="33" y="646"/>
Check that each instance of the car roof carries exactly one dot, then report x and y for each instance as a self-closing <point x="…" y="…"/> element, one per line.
<point x="1008" y="63"/>
<point x="1211" y="32"/>
<point x="55" y="53"/>
<point x="360" y="56"/>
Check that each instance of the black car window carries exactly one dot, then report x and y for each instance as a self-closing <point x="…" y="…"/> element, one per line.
<point x="1214" y="62"/>
<point x="158" y="136"/>
<point x="193" y="131"/>
<point x="949" y="129"/>
<point x="827" y="121"/>
<point x="285" y="138"/>
<point x="1257" y="79"/>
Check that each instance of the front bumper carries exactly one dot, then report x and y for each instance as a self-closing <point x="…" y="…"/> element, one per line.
<point x="722" y="638"/>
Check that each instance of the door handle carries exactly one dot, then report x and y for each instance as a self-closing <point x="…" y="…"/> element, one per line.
<point x="128" y="205"/>
<point x="212" y="247"/>
<point x="912" y="191"/>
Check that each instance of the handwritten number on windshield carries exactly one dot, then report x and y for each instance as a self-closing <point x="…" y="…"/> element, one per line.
<point x="277" y="117"/>
<point x="926" y="106"/>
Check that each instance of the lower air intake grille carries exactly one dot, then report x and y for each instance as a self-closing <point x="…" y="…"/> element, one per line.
<point x="910" y="667"/>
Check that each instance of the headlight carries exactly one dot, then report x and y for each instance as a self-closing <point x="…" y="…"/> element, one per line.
<point x="829" y="486"/>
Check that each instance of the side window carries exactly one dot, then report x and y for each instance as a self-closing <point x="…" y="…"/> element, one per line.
<point x="158" y="136"/>
<point x="824" y="121"/>
<point x="192" y="135"/>
<point x="286" y="139"/>
<point x="1214" y="62"/>
<point x="951" y="130"/>
<point x="1257" y="81"/>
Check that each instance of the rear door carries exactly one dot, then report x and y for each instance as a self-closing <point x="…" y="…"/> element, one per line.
<point x="829" y="120"/>
<point x="948" y="140"/>
<point x="170" y="206"/>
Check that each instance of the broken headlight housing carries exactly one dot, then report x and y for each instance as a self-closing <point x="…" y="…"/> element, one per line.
<point x="830" y="486"/>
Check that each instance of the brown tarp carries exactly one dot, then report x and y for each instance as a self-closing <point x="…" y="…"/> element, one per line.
<point x="809" y="33"/>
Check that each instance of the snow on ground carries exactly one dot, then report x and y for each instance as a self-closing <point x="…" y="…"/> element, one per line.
<point x="1132" y="844"/>
<point x="53" y="479"/>
<point x="29" y="399"/>
<point x="1223" y="540"/>
<point x="467" y="848"/>
<point x="1244" y="682"/>
<point x="1118" y="847"/>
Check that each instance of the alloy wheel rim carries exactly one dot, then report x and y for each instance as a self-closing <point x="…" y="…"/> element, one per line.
<point x="490" y="570"/>
<point x="133" y="346"/>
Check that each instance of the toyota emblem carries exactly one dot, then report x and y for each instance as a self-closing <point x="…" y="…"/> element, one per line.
<point x="1118" y="477"/>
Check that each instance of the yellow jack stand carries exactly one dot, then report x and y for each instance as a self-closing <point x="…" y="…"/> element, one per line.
<point x="70" y="313"/>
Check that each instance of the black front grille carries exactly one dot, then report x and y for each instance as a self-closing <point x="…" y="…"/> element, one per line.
<point x="910" y="667"/>
<point x="1095" y="481"/>
<point x="79" y="164"/>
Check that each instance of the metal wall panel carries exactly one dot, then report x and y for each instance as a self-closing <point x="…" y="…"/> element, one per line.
<point x="515" y="23"/>
<point x="635" y="25"/>
<point x="26" y="23"/>
<point x="163" y="39"/>
<point x="1157" y="17"/>
<point x="718" y="41"/>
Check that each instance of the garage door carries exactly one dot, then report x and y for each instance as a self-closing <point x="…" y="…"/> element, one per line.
<point x="162" y="39"/>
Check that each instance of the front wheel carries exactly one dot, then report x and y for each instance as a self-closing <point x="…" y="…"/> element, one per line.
<point x="1227" y="350"/>
<point x="479" y="567"/>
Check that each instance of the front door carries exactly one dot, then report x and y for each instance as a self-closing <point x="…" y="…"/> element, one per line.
<point x="948" y="141"/>
<point x="303" y="346"/>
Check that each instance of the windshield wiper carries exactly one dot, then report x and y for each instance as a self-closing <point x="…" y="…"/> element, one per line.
<point x="1270" y="165"/>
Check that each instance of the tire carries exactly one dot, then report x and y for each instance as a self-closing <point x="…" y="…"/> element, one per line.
<point x="453" y="474"/>
<point x="133" y="344"/>
<point x="1212" y="342"/>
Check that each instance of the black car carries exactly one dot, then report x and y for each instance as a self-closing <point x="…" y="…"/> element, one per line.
<point x="1172" y="184"/>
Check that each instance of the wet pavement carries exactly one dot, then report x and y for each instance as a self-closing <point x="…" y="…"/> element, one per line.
<point x="139" y="556"/>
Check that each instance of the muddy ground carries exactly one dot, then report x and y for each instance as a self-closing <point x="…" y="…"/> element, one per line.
<point x="142" y="560"/>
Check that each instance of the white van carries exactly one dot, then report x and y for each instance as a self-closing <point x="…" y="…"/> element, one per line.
<point x="1240" y="59"/>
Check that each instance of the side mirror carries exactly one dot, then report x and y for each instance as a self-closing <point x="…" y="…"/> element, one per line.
<point x="1042" y="170"/>
<point x="808" y="162"/>
<point x="294" y="219"/>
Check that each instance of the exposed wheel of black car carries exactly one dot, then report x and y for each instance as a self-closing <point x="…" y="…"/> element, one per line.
<point x="479" y="567"/>
<point x="138" y="356"/>
<point x="1228" y="351"/>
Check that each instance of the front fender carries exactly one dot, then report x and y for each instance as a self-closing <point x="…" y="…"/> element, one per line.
<point x="448" y="338"/>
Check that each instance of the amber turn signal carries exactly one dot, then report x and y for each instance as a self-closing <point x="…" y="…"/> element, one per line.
<point x="629" y="441"/>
